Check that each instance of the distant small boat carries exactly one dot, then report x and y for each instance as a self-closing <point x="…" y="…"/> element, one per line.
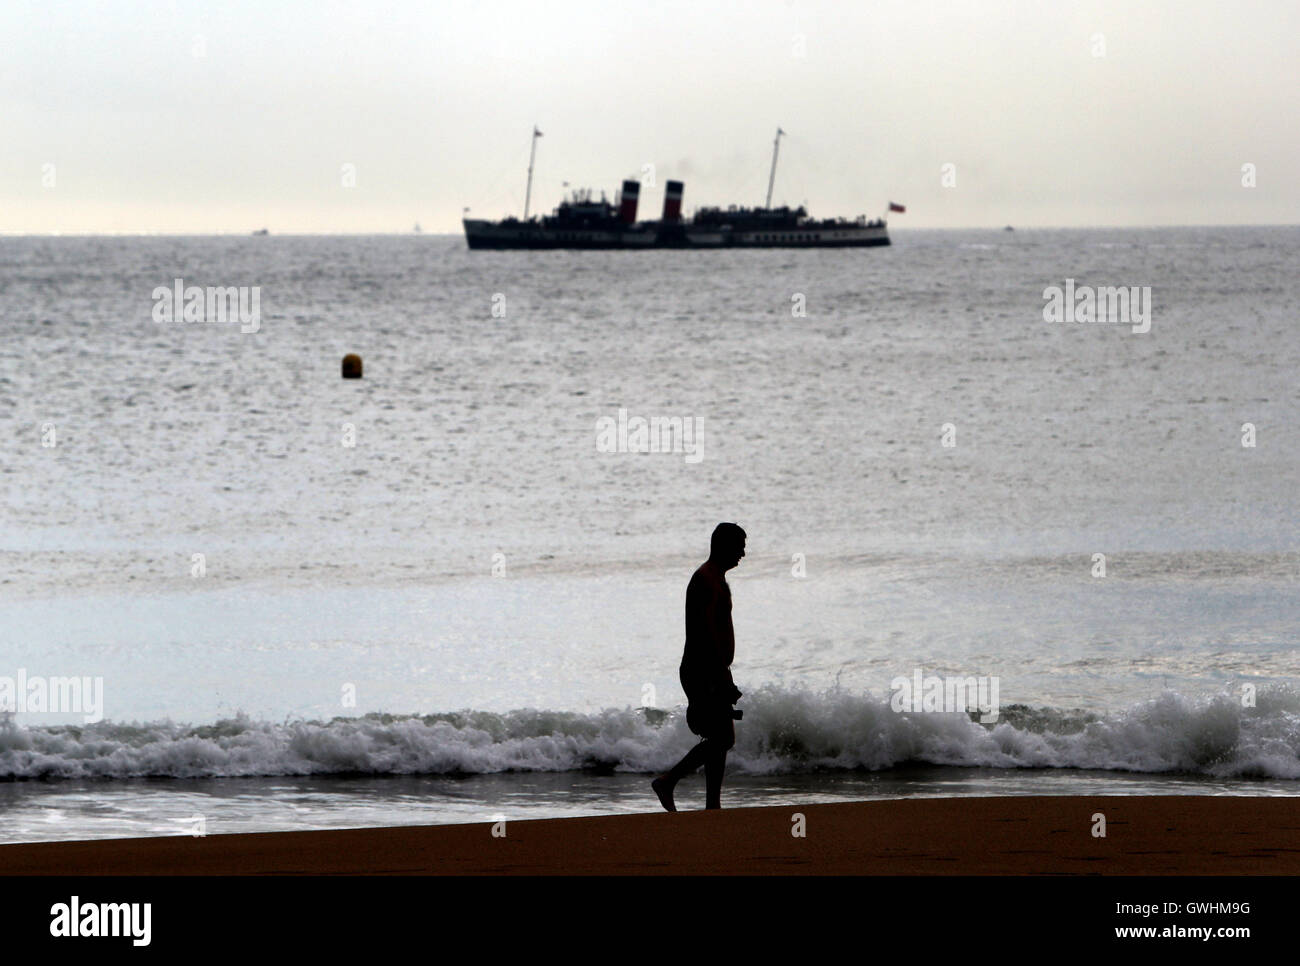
<point x="262" y="231"/>
<point x="417" y="228"/>
<point x="1008" y="228"/>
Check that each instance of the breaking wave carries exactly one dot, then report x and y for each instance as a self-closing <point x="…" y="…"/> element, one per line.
<point x="784" y="732"/>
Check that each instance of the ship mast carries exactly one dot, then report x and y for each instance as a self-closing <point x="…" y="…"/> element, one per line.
<point x="771" y="178"/>
<point x="528" y="195"/>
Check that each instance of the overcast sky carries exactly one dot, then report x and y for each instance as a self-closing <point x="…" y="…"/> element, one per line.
<point x="202" y="117"/>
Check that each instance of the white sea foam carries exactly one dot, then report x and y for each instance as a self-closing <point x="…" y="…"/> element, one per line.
<point x="784" y="731"/>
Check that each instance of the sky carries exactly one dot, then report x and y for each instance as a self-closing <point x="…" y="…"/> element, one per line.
<point x="321" y="117"/>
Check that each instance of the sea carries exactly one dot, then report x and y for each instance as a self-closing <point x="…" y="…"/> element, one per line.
<point x="241" y="593"/>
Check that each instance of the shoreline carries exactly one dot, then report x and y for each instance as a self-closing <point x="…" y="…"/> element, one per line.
<point x="1018" y="835"/>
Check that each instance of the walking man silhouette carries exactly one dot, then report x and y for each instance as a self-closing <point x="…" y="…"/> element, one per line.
<point x="706" y="669"/>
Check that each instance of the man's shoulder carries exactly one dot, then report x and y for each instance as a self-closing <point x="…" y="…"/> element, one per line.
<point x="704" y="576"/>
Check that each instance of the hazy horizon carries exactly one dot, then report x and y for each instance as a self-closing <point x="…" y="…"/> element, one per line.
<point x="458" y="232"/>
<point x="164" y="118"/>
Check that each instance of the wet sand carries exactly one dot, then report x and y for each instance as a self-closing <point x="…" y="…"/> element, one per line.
<point x="1145" y="835"/>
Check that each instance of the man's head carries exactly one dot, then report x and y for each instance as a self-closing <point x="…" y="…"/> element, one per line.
<point x="727" y="545"/>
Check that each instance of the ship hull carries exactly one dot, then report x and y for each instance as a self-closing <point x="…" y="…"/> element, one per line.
<point x="499" y="236"/>
<point x="850" y="237"/>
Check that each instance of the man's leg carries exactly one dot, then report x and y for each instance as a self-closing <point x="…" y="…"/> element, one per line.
<point x="665" y="783"/>
<point x="715" y="762"/>
<point x="712" y="754"/>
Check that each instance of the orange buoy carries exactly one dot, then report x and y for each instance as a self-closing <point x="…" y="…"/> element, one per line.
<point x="351" y="366"/>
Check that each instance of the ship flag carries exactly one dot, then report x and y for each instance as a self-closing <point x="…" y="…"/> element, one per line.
<point x="895" y="206"/>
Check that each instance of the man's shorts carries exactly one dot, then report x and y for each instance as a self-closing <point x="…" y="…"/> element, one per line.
<point x="709" y="719"/>
<point x="707" y="714"/>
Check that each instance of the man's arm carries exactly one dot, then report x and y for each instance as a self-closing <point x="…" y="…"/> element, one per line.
<point x="721" y="638"/>
<point x="699" y="615"/>
<point x="726" y="650"/>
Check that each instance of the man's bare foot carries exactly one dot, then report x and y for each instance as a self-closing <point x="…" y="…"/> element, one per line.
<point x="664" y="789"/>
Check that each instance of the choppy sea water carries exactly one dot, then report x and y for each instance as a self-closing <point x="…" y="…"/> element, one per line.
<point x="466" y="613"/>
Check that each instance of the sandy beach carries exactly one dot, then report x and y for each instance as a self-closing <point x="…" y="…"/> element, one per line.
<point x="1156" y="835"/>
